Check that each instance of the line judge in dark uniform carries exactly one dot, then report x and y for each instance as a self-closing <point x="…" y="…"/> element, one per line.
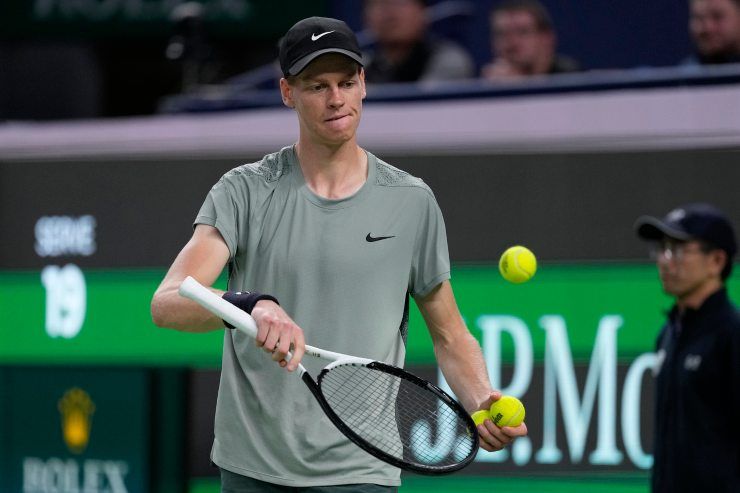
<point x="697" y="426"/>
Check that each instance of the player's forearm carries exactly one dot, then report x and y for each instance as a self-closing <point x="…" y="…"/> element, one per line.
<point x="464" y="368"/>
<point x="172" y="311"/>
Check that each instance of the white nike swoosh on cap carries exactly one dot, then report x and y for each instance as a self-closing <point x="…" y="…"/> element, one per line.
<point x="315" y="37"/>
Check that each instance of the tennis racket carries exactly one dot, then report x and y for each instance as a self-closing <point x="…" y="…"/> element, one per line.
<point x="397" y="417"/>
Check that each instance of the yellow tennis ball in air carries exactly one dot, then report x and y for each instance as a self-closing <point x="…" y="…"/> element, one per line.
<point x="518" y="264"/>
<point x="480" y="416"/>
<point x="507" y="411"/>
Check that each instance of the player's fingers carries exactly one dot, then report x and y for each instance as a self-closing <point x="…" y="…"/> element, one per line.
<point x="284" y="331"/>
<point x="515" y="431"/>
<point x="286" y="338"/>
<point x="486" y="447"/>
<point x="487" y="440"/>
<point x="273" y="336"/>
<point x="264" y="326"/>
<point x="498" y="434"/>
<point x="288" y="331"/>
<point x="280" y="351"/>
<point x="299" y="349"/>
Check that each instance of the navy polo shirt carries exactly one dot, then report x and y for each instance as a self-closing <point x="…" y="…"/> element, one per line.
<point x="697" y="411"/>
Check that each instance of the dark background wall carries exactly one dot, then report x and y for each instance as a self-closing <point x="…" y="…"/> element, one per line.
<point x="564" y="206"/>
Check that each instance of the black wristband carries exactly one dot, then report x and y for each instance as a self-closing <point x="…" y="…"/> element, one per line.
<point x="245" y="300"/>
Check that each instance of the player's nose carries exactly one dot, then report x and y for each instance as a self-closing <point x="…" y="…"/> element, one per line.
<point x="336" y="98"/>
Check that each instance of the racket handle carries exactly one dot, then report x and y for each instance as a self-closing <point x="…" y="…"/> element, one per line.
<point x="192" y="289"/>
<point x="241" y="320"/>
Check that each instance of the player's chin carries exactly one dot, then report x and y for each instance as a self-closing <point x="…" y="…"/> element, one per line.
<point x="338" y="137"/>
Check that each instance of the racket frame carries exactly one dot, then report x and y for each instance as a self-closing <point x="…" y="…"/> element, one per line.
<point x="315" y="387"/>
<point x="241" y="320"/>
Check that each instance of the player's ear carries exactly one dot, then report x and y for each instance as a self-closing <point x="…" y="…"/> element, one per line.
<point x="286" y="92"/>
<point x="362" y="82"/>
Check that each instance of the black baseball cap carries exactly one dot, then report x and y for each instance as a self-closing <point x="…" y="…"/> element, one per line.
<point x="313" y="37"/>
<point x="698" y="221"/>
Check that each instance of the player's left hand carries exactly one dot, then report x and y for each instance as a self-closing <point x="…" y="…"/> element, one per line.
<point x="493" y="438"/>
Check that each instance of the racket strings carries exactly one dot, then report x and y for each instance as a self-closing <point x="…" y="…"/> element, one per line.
<point x="397" y="416"/>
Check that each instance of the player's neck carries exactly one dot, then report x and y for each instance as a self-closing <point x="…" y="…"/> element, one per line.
<point x="333" y="172"/>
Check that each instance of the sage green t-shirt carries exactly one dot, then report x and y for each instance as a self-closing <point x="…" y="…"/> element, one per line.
<point x="343" y="270"/>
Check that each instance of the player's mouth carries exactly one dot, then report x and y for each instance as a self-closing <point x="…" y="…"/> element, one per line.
<point x="336" y="118"/>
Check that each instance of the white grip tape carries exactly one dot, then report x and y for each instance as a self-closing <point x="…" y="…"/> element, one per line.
<point x="241" y="320"/>
<point x="192" y="289"/>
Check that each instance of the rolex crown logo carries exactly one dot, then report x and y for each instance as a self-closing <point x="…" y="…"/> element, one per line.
<point x="76" y="409"/>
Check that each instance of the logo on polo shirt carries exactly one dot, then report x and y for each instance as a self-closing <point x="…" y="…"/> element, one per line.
<point x="692" y="362"/>
<point x="369" y="238"/>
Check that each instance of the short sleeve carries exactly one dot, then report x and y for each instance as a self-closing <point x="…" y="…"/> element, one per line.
<point x="431" y="259"/>
<point x="220" y="211"/>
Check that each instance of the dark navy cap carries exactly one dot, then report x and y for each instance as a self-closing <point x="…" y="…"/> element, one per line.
<point x="313" y="37"/>
<point x="691" y="222"/>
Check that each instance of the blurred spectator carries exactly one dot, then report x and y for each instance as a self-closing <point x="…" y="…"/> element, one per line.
<point x="404" y="49"/>
<point x="715" y="31"/>
<point x="524" y="43"/>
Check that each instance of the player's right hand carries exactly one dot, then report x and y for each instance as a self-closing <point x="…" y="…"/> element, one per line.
<point x="278" y="334"/>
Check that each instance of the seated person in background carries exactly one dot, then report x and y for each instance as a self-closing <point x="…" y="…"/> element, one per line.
<point x="715" y="31"/>
<point x="523" y="41"/>
<point x="405" y="51"/>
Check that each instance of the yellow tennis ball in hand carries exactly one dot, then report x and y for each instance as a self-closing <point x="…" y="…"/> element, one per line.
<point x="507" y="411"/>
<point x="518" y="264"/>
<point x="480" y="416"/>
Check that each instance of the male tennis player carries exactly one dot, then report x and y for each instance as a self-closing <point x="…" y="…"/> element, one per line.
<point x="326" y="239"/>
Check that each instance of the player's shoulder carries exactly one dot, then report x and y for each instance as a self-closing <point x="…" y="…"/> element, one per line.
<point x="390" y="176"/>
<point x="267" y="170"/>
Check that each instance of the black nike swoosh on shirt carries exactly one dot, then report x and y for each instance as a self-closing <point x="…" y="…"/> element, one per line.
<point x="377" y="238"/>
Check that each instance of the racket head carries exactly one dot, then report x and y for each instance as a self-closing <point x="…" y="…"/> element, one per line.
<point x="397" y="417"/>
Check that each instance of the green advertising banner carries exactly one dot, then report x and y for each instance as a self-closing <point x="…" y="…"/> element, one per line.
<point x="76" y="430"/>
<point x="575" y="344"/>
<point x="66" y="315"/>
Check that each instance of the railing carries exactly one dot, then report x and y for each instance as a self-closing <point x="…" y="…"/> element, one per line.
<point x="227" y="97"/>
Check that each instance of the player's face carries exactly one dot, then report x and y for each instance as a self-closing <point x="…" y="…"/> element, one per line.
<point x="327" y="96"/>
<point x="685" y="267"/>
<point x="518" y="40"/>
<point x="715" y="26"/>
